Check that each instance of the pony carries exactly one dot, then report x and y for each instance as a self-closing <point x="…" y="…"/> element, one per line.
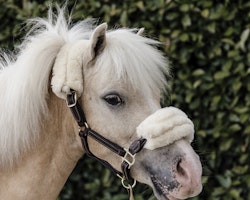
<point x="112" y="81"/>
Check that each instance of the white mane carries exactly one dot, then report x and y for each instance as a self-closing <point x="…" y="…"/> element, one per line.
<point x="24" y="82"/>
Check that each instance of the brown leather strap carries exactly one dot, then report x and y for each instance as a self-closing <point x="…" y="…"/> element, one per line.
<point x="84" y="138"/>
<point x="76" y="109"/>
<point x="107" y="143"/>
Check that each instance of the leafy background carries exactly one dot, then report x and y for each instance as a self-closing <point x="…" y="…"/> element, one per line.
<point x="208" y="44"/>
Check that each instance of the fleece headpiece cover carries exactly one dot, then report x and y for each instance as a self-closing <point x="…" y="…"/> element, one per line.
<point x="71" y="59"/>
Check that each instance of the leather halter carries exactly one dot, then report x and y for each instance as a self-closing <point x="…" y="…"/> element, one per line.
<point x="127" y="155"/>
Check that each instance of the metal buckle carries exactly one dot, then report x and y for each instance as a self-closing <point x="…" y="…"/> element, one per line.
<point x="69" y="104"/>
<point x="129" y="158"/>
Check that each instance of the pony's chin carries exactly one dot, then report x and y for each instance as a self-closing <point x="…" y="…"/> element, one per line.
<point x="169" y="192"/>
<point x="161" y="191"/>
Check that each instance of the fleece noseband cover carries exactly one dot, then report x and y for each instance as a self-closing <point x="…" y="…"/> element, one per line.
<point x="164" y="127"/>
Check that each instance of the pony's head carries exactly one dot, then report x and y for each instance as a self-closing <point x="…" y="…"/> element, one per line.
<point x="119" y="77"/>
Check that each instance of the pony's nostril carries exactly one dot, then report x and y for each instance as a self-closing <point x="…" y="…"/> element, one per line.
<point x="180" y="170"/>
<point x="188" y="176"/>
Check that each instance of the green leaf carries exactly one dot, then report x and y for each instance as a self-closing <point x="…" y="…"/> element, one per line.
<point x="184" y="7"/>
<point x="235" y="193"/>
<point x="227" y="144"/>
<point x="205" y="13"/>
<point x="234" y="127"/>
<point x="224" y="181"/>
<point x="172" y="15"/>
<point x="186" y="21"/>
<point x="233" y="53"/>
<point x="228" y="41"/>
<point x="237" y="85"/>
<point x="184" y="37"/>
<point x="175" y="33"/>
<point x="241" y="109"/>
<point x="198" y="72"/>
<point x="227" y="66"/>
<point x="229" y="31"/>
<point x="221" y="75"/>
<point x="240" y="169"/>
<point x="215" y="100"/>
<point x="197" y="83"/>
<point x="217" y="191"/>
<point x="211" y="27"/>
<point x="243" y="38"/>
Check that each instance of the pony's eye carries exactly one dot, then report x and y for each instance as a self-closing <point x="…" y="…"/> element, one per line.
<point x="113" y="99"/>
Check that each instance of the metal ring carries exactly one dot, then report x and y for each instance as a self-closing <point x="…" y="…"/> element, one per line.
<point x="128" y="186"/>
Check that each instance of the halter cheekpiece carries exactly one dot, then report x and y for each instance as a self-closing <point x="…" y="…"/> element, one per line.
<point x="127" y="155"/>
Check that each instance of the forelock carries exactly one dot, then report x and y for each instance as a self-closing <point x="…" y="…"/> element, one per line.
<point x="135" y="59"/>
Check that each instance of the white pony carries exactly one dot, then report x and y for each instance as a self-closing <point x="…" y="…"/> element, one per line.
<point x="117" y="77"/>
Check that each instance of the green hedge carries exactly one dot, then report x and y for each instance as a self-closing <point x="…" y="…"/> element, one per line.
<point x="208" y="45"/>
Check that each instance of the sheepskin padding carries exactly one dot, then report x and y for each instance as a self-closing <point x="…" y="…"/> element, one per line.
<point x="164" y="127"/>
<point x="67" y="70"/>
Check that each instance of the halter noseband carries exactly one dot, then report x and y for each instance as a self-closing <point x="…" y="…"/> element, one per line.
<point x="127" y="155"/>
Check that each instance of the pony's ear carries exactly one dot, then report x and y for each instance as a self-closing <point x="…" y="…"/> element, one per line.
<point x="98" y="40"/>
<point x="140" y="32"/>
